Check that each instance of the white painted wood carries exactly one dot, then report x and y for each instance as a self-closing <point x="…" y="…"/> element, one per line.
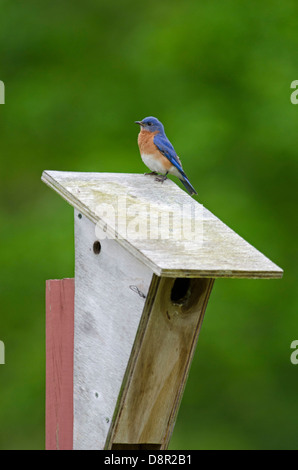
<point x="218" y="251"/>
<point x="110" y="293"/>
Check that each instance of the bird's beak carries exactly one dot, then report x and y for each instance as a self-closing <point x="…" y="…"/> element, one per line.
<point x="139" y="122"/>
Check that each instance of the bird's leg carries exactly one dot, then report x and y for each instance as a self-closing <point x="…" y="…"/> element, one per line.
<point x="161" y="178"/>
<point x="151" y="173"/>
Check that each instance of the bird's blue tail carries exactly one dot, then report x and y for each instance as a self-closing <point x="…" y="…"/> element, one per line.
<point x="189" y="188"/>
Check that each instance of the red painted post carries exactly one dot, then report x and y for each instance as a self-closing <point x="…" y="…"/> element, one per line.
<point x="59" y="364"/>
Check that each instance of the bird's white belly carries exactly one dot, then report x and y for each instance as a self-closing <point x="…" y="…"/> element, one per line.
<point x="153" y="163"/>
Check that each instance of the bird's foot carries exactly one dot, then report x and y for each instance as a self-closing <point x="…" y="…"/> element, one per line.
<point x="153" y="173"/>
<point x="161" y="178"/>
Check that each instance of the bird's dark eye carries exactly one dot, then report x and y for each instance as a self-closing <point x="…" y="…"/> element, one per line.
<point x="149" y="123"/>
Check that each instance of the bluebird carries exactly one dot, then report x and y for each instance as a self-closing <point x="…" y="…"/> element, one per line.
<point x="158" y="153"/>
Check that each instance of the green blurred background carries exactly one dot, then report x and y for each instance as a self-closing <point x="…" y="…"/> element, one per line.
<point x="217" y="74"/>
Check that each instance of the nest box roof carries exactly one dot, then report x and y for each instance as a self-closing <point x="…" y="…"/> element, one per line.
<point x="161" y="225"/>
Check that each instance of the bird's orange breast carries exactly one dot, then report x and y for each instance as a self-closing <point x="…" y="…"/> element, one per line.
<point x="145" y="141"/>
<point x="148" y="147"/>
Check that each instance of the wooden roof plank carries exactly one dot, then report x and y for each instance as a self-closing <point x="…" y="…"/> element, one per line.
<point x="217" y="251"/>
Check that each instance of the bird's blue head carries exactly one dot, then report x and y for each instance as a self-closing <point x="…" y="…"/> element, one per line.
<point x="151" y="124"/>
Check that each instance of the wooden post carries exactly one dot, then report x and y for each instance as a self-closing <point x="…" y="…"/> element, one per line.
<point x="139" y="305"/>
<point x="59" y="365"/>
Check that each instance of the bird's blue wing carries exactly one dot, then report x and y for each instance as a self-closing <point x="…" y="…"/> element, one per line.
<point x="166" y="148"/>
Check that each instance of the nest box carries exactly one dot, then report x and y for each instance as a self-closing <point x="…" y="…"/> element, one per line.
<point x="121" y="336"/>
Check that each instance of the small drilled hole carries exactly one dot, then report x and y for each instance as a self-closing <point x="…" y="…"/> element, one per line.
<point x="79" y="216"/>
<point x="96" y="247"/>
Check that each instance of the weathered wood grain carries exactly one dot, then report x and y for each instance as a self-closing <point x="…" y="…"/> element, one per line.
<point x="219" y="252"/>
<point x="59" y="363"/>
<point x="110" y="292"/>
<point x="160" y="361"/>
